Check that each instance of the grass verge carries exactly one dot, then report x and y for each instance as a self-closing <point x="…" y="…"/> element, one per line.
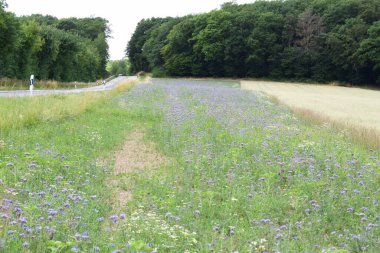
<point x="16" y="84"/>
<point x="53" y="196"/>
<point x="18" y="112"/>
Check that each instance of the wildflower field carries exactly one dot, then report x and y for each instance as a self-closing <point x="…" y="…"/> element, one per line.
<point x="240" y="174"/>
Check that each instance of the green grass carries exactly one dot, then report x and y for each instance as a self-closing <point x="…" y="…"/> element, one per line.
<point x="249" y="177"/>
<point x="40" y="155"/>
<point x="246" y="175"/>
<point x="50" y="173"/>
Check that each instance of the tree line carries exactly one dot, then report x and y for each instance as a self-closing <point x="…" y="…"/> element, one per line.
<point x="315" y="40"/>
<point x="119" y="67"/>
<point x="69" y="49"/>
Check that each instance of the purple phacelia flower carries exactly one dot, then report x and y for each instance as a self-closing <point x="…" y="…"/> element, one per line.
<point x="114" y="218"/>
<point x="355" y="237"/>
<point x="27" y="229"/>
<point x="85" y="235"/>
<point x="52" y="212"/>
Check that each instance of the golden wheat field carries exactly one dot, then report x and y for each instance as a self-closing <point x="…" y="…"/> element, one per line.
<point x="354" y="108"/>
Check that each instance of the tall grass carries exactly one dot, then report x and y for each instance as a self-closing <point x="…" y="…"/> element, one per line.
<point x="26" y="111"/>
<point x="16" y="84"/>
<point x="363" y="135"/>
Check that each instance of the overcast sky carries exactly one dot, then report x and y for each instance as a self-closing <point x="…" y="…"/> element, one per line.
<point x="122" y="15"/>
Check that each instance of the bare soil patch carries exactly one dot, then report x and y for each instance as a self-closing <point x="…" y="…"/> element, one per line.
<point x="134" y="157"/>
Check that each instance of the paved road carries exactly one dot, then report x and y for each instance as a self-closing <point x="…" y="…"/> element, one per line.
<point x="108" y="86"/>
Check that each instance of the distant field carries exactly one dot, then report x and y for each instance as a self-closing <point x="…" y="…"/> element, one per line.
<point x="349" y="106"/>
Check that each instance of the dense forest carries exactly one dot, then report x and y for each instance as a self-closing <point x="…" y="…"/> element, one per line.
<point x="315" y="40"/>
<point x="58" y="49"/>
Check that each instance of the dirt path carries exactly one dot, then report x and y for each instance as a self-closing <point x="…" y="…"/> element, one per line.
<point x="135" y="156"/>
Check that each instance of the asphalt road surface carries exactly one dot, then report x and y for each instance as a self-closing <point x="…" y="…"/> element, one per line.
<point x="107" y="86"/>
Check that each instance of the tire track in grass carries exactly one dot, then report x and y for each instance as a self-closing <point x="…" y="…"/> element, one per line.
<point x="134" y="157"/>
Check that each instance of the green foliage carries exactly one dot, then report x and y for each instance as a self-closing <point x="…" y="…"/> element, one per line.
<point x="343" y="42"/>
<point x="369" y="50"/>
<point x="152" y="47"/>
<point x="264" y="44"/>
<point x="8" y="37"/>
<point x="178" y="52"/>
<point x="317" y="40"/>
<point x="135" y="46"/>
<point x="210" y="41"/>
<point x="119" y="67"/>
<point x="64" y="50"/>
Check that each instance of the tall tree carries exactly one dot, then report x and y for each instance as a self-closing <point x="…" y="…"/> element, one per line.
<point x="210" y="41"/>
<point x="9" y="28"/>
<point x="178" y="51"/>
<point x="369" y="53"/>
<point x="264" y="44"/>
<point x="319" y="40"/>
<point x="342" y="44"/>
<point x="135" y="46"/>
<point x="152" y="47"/>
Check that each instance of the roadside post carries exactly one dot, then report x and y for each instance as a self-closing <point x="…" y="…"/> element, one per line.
<point x="31" y="84"/>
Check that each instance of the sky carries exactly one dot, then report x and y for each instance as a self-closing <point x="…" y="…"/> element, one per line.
<point x="123" y="16"/>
